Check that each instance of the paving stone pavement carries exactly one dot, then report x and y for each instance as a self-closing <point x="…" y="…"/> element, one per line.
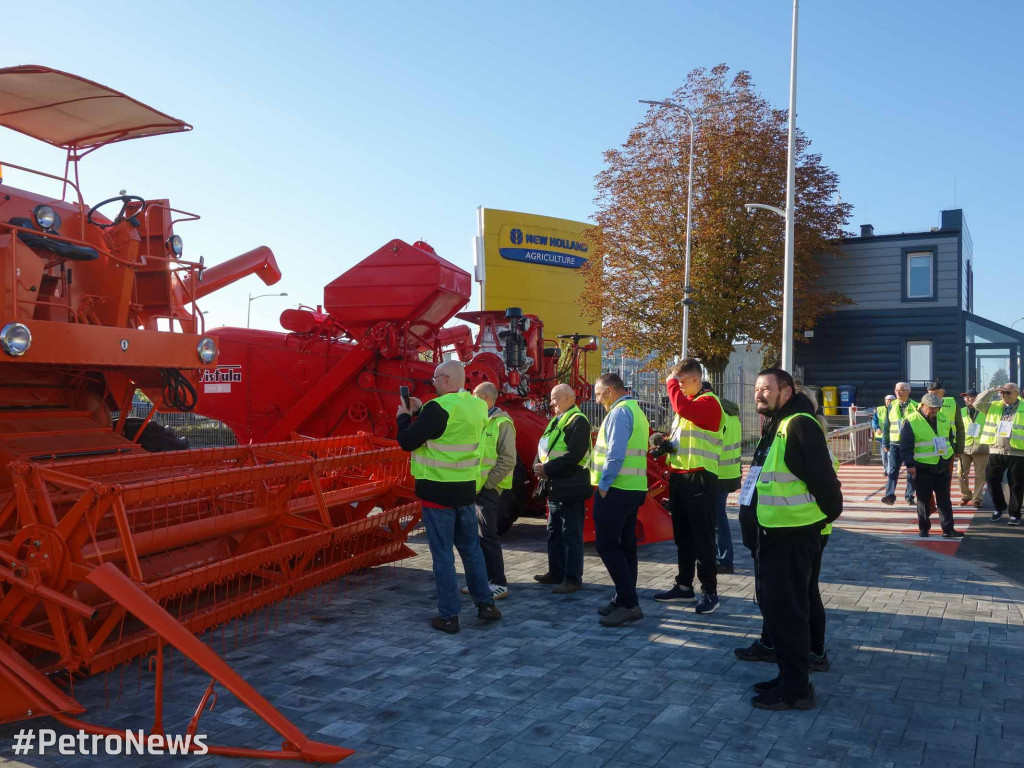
<point x="926" y="670"/>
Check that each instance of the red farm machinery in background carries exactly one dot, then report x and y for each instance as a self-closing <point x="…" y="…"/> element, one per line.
<point x="109" y="552"/>
<point x="337" y="369"/>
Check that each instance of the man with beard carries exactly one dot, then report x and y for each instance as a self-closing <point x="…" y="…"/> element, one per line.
<point x="790" y="497"/>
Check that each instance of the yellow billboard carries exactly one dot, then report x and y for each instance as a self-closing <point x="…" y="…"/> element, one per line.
<point x="532" y="262"/>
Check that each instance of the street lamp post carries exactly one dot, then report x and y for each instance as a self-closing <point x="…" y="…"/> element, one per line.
<point x="690" y="116"/>
<point x="248" y="311"/>
<point x="788" y="213"/>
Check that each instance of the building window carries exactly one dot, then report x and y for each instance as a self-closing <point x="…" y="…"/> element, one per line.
<point x="919" y="361"/>
<point x="920" y="275"/>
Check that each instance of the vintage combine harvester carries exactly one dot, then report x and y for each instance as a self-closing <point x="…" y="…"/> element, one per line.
<point x="108" y="552"/>
<point x="383" y="324"/>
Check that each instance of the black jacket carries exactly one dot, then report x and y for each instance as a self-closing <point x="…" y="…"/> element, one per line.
<point x="807" y="457"/>
<point x="430" y="423"/>
<point x="566" y="479"/>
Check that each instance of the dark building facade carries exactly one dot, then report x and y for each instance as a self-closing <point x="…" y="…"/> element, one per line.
<point x="911" y="318"/>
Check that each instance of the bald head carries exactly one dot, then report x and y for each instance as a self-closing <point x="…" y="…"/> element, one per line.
<point x="563" y="397"/>
<point x="488" y="393"/>
<point x="449" y="376"/>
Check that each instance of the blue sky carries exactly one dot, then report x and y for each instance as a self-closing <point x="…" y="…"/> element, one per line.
<point x="323" y="130"/>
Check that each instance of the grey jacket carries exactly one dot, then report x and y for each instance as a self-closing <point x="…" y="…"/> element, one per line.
<point x="506" y="461"/>
<point x="1002" y="445"/>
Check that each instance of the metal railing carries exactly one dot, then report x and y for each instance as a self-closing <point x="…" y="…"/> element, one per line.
<point x="851" y="445"/>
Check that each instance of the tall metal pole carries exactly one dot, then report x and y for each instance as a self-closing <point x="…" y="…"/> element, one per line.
<point x="787" y="280"/>
<point x="686" y="273"/>
<point x="248" y="312"/>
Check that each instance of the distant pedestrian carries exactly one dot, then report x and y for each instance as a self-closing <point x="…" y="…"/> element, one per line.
<point x="878" y="421"/>
<point x="1003" y="433"/>
<point x="790" y="497"/>
<point x="498" y="461"/>
<point x="619" y="472"/>
<point x="975" y="452"/>
<point x="563" y="465"/>
<point x="444" y="438"/>
<point x="927" y="448"/>
<point x="897" y="414"/>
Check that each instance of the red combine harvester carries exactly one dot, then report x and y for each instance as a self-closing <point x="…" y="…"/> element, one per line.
<point x="109" y="552"/>
<point x="338" y="368"/>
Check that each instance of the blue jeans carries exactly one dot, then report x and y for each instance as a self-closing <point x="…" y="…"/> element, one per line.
<point x="458" y="527"/>
<point x="565" y="540"/>
<point x="723" y="536"/>
<point x="895" y="464"/>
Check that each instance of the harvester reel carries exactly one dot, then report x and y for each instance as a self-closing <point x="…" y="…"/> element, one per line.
<point x="125" y="201"/>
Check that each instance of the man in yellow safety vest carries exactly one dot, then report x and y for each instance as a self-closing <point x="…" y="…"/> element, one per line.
<point x="444" y="439"/>
<point x="619" y="472"/>
<point x="927" y="448"/>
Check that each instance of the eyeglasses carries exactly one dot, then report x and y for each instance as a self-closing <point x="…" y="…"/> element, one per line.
<point x="439" y="376"/>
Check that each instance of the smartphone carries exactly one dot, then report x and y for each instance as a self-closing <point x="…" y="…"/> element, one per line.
<point x="404" y="392"/>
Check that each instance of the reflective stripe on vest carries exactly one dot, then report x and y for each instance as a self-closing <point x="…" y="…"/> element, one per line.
<point x="455" y="456"/>
<point x="992" y="419"/>
<point x="633" y="473"/>
<point x="552" y="443"/>
<point x="783" y="500"/>
<point x="924" y="437"/>
<point x="489" y="451"/>
<point x="895" y="422"/>
<point x="693" y="447"/>
<point x="732" y="448"/>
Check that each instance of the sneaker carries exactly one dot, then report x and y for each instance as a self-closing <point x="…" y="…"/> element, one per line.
<point x="955" y="534"/>
<point x="677" y="595"/>
<point x="1013" y="520"/>
<point x="546" y="578"/>
<point x="487" y="612"/>
<point x="622" y="615"/>
<point x="911" y="501"/>
<point x="997" y="514"/>
<point x="923" y="534"/>
<point x="767" y="685"/>
<point x="757" y="651"/>
<point x="820" y="663"/>
<point x="451" y="626"/>
<point x="775" y="699"/>
<point x="499" y="591"/>
<point x="605" y="610"/>
<point x="724" y="568"/>
<point x="707" y="603"/>
<point x="889" y="500"/>
<point x="567" y="588"/>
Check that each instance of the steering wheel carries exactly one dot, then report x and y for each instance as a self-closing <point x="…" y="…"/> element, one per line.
<point x="125" y="200"/>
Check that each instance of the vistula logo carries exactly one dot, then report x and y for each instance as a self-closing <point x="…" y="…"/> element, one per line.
<point x="516" y="236"/>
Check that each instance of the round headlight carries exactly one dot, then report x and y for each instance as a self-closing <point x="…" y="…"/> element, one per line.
<point x="45" y="217"/>
<point x="207" y="350"/>
<point x="15" y="339"/>
<point x="174" y="244"/>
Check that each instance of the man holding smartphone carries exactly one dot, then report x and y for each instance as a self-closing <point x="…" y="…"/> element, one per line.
<point x="444" y="437"/>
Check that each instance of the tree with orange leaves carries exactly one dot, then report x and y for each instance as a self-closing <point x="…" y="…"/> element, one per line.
<point x="634" y="279"/>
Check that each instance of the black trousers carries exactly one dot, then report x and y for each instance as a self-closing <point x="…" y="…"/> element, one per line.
<point x="816" y="606"/>
<point x="487" y="501"/>
<point x="691" y="500"/>
<point x="786" y="563"/>
<point x="927" y="483"/>
<point x="997" y="465"/>
<point x="615" y="535"/>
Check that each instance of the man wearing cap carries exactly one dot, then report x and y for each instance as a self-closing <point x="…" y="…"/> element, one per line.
<point x="950" y="410"/>
<point x="1003" y="433"/>
<point x="897" y="414"/>
<point x="975" y="453"/>
<point x="878" y="426"/>
<point x="927" y="451"/>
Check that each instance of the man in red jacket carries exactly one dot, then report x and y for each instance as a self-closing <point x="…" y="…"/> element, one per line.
<point x="696" y="444"/>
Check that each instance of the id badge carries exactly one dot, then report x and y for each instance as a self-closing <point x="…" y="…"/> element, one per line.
<point x="749" y="484"/>
<point x="973" y="429"/>
<point x="1004" y="428"/>
<point x="941" y="446"/>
